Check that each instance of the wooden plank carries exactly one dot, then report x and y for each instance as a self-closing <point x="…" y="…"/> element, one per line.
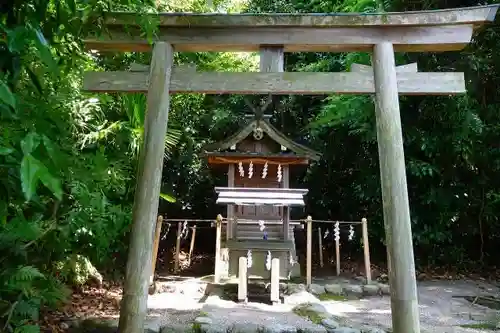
<point x="285" y="232"/>
<point x="275" y="281"/>
<point x="250" y="39"/>
<point x="464" y="15"/>
<point x="272" y="59"/>
<point x="242" y="280"/>
<point x="320" y="247"/>
<point x="156" y="243"/>
<point x="177" y="247"/>
<point x="218" y="261"/>
<point x="261" y="189"/>
<point x="191" y="246"/>
<point x="230" y="208"/>
<point x="309" y="251"/>
<point x="147" y="194"/>
<point x="136" y="67"/>
<point x="260" y="201"/>
<point x="366" y="69"/>
<point x="277" y="83"/>
<point x="288" y="160"/>
<point x="366" y="251"/>
<point x="337" y="256"/>
<point x="396" y="208"/>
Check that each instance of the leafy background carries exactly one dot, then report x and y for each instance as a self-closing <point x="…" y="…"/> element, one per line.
<point x="68" y="159"/>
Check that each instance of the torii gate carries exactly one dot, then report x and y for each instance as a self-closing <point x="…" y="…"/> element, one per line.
<point x="273" y="34"/>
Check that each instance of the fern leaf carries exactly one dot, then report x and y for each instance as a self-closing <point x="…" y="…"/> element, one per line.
<point x="23" y="278"/>
<point x="28" y="329"/>
<point x="27" y="310"/>
<point x="26" y="273"/>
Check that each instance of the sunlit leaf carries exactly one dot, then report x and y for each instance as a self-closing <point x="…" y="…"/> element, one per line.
<point x="167" y="197"/>
<point x="29" y="178"/>
<point x="45" y="53"/>
<point x="30" y="143"/>
<point x="71" y="5"/>
<point x="6" y="151"/>
<point x="50" y="147"/>
<point x="51" y="182"/>
<point x="6" y="95"/>
<point x="32" y="171"/>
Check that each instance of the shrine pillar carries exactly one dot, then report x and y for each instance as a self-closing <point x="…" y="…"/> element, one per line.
<point x="139" y="263"/>
<point x="272" y="60"/>
<point x="404" y="303"/>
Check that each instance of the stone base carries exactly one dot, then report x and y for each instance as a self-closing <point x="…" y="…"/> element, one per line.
<point x="349" y="289"/>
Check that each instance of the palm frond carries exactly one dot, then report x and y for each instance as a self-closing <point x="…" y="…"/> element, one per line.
<point x="102" y="132"/>
<point x="172" y="139"/>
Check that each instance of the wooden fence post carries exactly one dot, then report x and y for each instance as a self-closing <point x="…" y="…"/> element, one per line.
<point x="138" y="272"/>
<point x="366" y="248"/>
<point x="177" y="247"/>
<point x="218" y="262"/>
<point x="320" y="245"/>
<point x="275" y="281"/>
<point x="156" y="244"/>
<point x="242" y="280"/>
<point x="191" y="246"/>
<point x="309" y="251"/>
<point x="337" y="255"/>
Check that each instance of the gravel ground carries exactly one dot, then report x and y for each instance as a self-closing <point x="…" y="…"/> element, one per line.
<point x="440" y="311"/>
<point x="227" y="314"/>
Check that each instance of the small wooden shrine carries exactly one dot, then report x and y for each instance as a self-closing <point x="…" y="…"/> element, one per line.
<point x="258" y="197"/>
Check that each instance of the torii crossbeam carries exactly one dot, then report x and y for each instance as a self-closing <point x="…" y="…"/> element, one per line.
<point x="273" y="34"/>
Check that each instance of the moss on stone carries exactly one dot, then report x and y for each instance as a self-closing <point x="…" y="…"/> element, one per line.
<point x="331" y="297"/>
<point x="481" y="326"/>
<point x="305" y="312"/>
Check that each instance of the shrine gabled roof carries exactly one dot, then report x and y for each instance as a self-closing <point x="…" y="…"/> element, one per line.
<point x="272" y="132"/>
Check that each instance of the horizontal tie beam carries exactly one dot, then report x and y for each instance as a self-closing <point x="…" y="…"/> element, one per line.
<point x="301" y="83"/>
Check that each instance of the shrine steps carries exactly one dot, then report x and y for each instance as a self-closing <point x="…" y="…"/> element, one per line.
<point x="248" y="237"/>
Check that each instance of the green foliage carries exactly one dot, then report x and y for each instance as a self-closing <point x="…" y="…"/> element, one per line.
<point x="24" y="288"/>
<point x="68" y="160"/>
<point x="34" y="171"/>
<point x="78" y="271"/>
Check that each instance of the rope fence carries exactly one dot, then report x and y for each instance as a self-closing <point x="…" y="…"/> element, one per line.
<point x="183" y="229"/>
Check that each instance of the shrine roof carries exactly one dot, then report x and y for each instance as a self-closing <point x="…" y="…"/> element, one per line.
<point x="466" y="15"/>
<point x="260" y="196"/>
<point x="271" y="131"/>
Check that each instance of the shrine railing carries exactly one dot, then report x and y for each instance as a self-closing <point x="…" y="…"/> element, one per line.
<point x="185" y="228"/>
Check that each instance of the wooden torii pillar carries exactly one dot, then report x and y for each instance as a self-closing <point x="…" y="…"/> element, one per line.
<point x="381" y="34"/>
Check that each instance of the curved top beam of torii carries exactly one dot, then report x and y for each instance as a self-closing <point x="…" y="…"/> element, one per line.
<point x="465" y="15"/>
<point x="419" y="31"/>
